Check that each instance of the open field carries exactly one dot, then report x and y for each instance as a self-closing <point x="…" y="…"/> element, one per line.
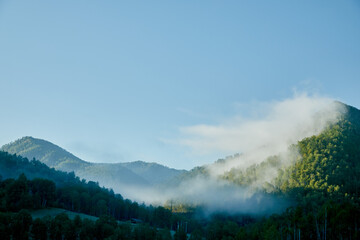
<point x="52" y="212"/>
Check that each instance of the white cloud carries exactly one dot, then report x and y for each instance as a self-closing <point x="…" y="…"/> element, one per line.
<point x="282" y="123"/>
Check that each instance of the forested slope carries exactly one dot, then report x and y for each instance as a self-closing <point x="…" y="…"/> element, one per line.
<point x="328" y="163"/>
<point x="45" y="152"/>
<point x="112" y="175"/>
<point x="27" y="185"/>
<point x="320" y="179"/>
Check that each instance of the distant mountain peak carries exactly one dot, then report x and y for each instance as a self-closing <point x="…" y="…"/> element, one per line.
<point x="153" y="172"/>
<point x="144" y="163"/>
<point x="114" y="175"/>
<point x="46" y="152"/>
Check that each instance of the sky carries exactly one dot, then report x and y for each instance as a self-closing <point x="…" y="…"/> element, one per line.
<point x="119" y="81"/>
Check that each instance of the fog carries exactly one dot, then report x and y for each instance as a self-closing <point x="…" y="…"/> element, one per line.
<point x="211" y="194"/>
<point x="281" y="124"/>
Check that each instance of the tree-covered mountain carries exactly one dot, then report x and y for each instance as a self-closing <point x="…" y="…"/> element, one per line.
<point x="328" y="163"/>
<point x="314" y="170"/>
<point x="154" y="173"/>
<point x="46" y="152"/>
<point x="11" y="166"/>
<point x="107" y="174"/>
<point x="31" y="185"/>
<point x="319" y="176"/>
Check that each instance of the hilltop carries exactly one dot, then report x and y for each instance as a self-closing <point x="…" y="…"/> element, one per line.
<point x="114" y="175"/>
<point x="326" y="165"/>
<point x="46" y="152"/>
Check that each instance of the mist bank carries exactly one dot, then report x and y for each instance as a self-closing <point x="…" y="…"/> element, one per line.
<point x="274" y="127"/>
<point x="276" y="133"/>
<point x="210" y="194"/>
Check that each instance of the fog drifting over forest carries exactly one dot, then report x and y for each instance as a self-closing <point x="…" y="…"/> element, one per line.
<point x="282" y="124"/>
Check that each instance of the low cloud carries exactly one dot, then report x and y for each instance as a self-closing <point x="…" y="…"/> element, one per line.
<point x="282" y="123"/>
<point x="212" y="194"/>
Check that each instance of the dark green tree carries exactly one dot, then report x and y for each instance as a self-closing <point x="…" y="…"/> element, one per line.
<point x="105" y="227"/>
<point x="87" y="230"/>
<point x="45" y="189"/>
<point x="123" y="232"/>
<point x="180" y="234"/>
<point x="20" y="225"/>
<point x="18" y="194"/>
<point x="39" y="230"/>
<point x="163" y="234"/>
<point x="5" y="231"/>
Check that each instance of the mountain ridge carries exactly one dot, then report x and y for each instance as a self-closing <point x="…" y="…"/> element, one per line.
<point x="44" y="151"/>
<point x="136" y="173"/>
<point x="318" y="158"/>
<point x="328" y="162"/>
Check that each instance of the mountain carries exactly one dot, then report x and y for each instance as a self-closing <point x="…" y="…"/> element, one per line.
<point x="46" y="152"/>
<point x="327" y="164"/>
<point x="12" y="166"/>
<point x="154" y="173"/>
<point x="330" y="161"/>
<point x="114" y="175"/>
<point x="33" y="186"/>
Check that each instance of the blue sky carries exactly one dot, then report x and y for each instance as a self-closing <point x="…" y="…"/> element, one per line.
<point x="118" y="80"/>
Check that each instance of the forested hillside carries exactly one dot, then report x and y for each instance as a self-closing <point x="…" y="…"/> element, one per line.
<point x="46" y="152"/>
<point x="38" y="187"/>
<point x="113" y="175"/>
<point x="323" y="183"/>
<point x="153" y="173"/>
<point x="321" y="180"/>
<point x="11" y="166"/>
<point x="328" y="163"/>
